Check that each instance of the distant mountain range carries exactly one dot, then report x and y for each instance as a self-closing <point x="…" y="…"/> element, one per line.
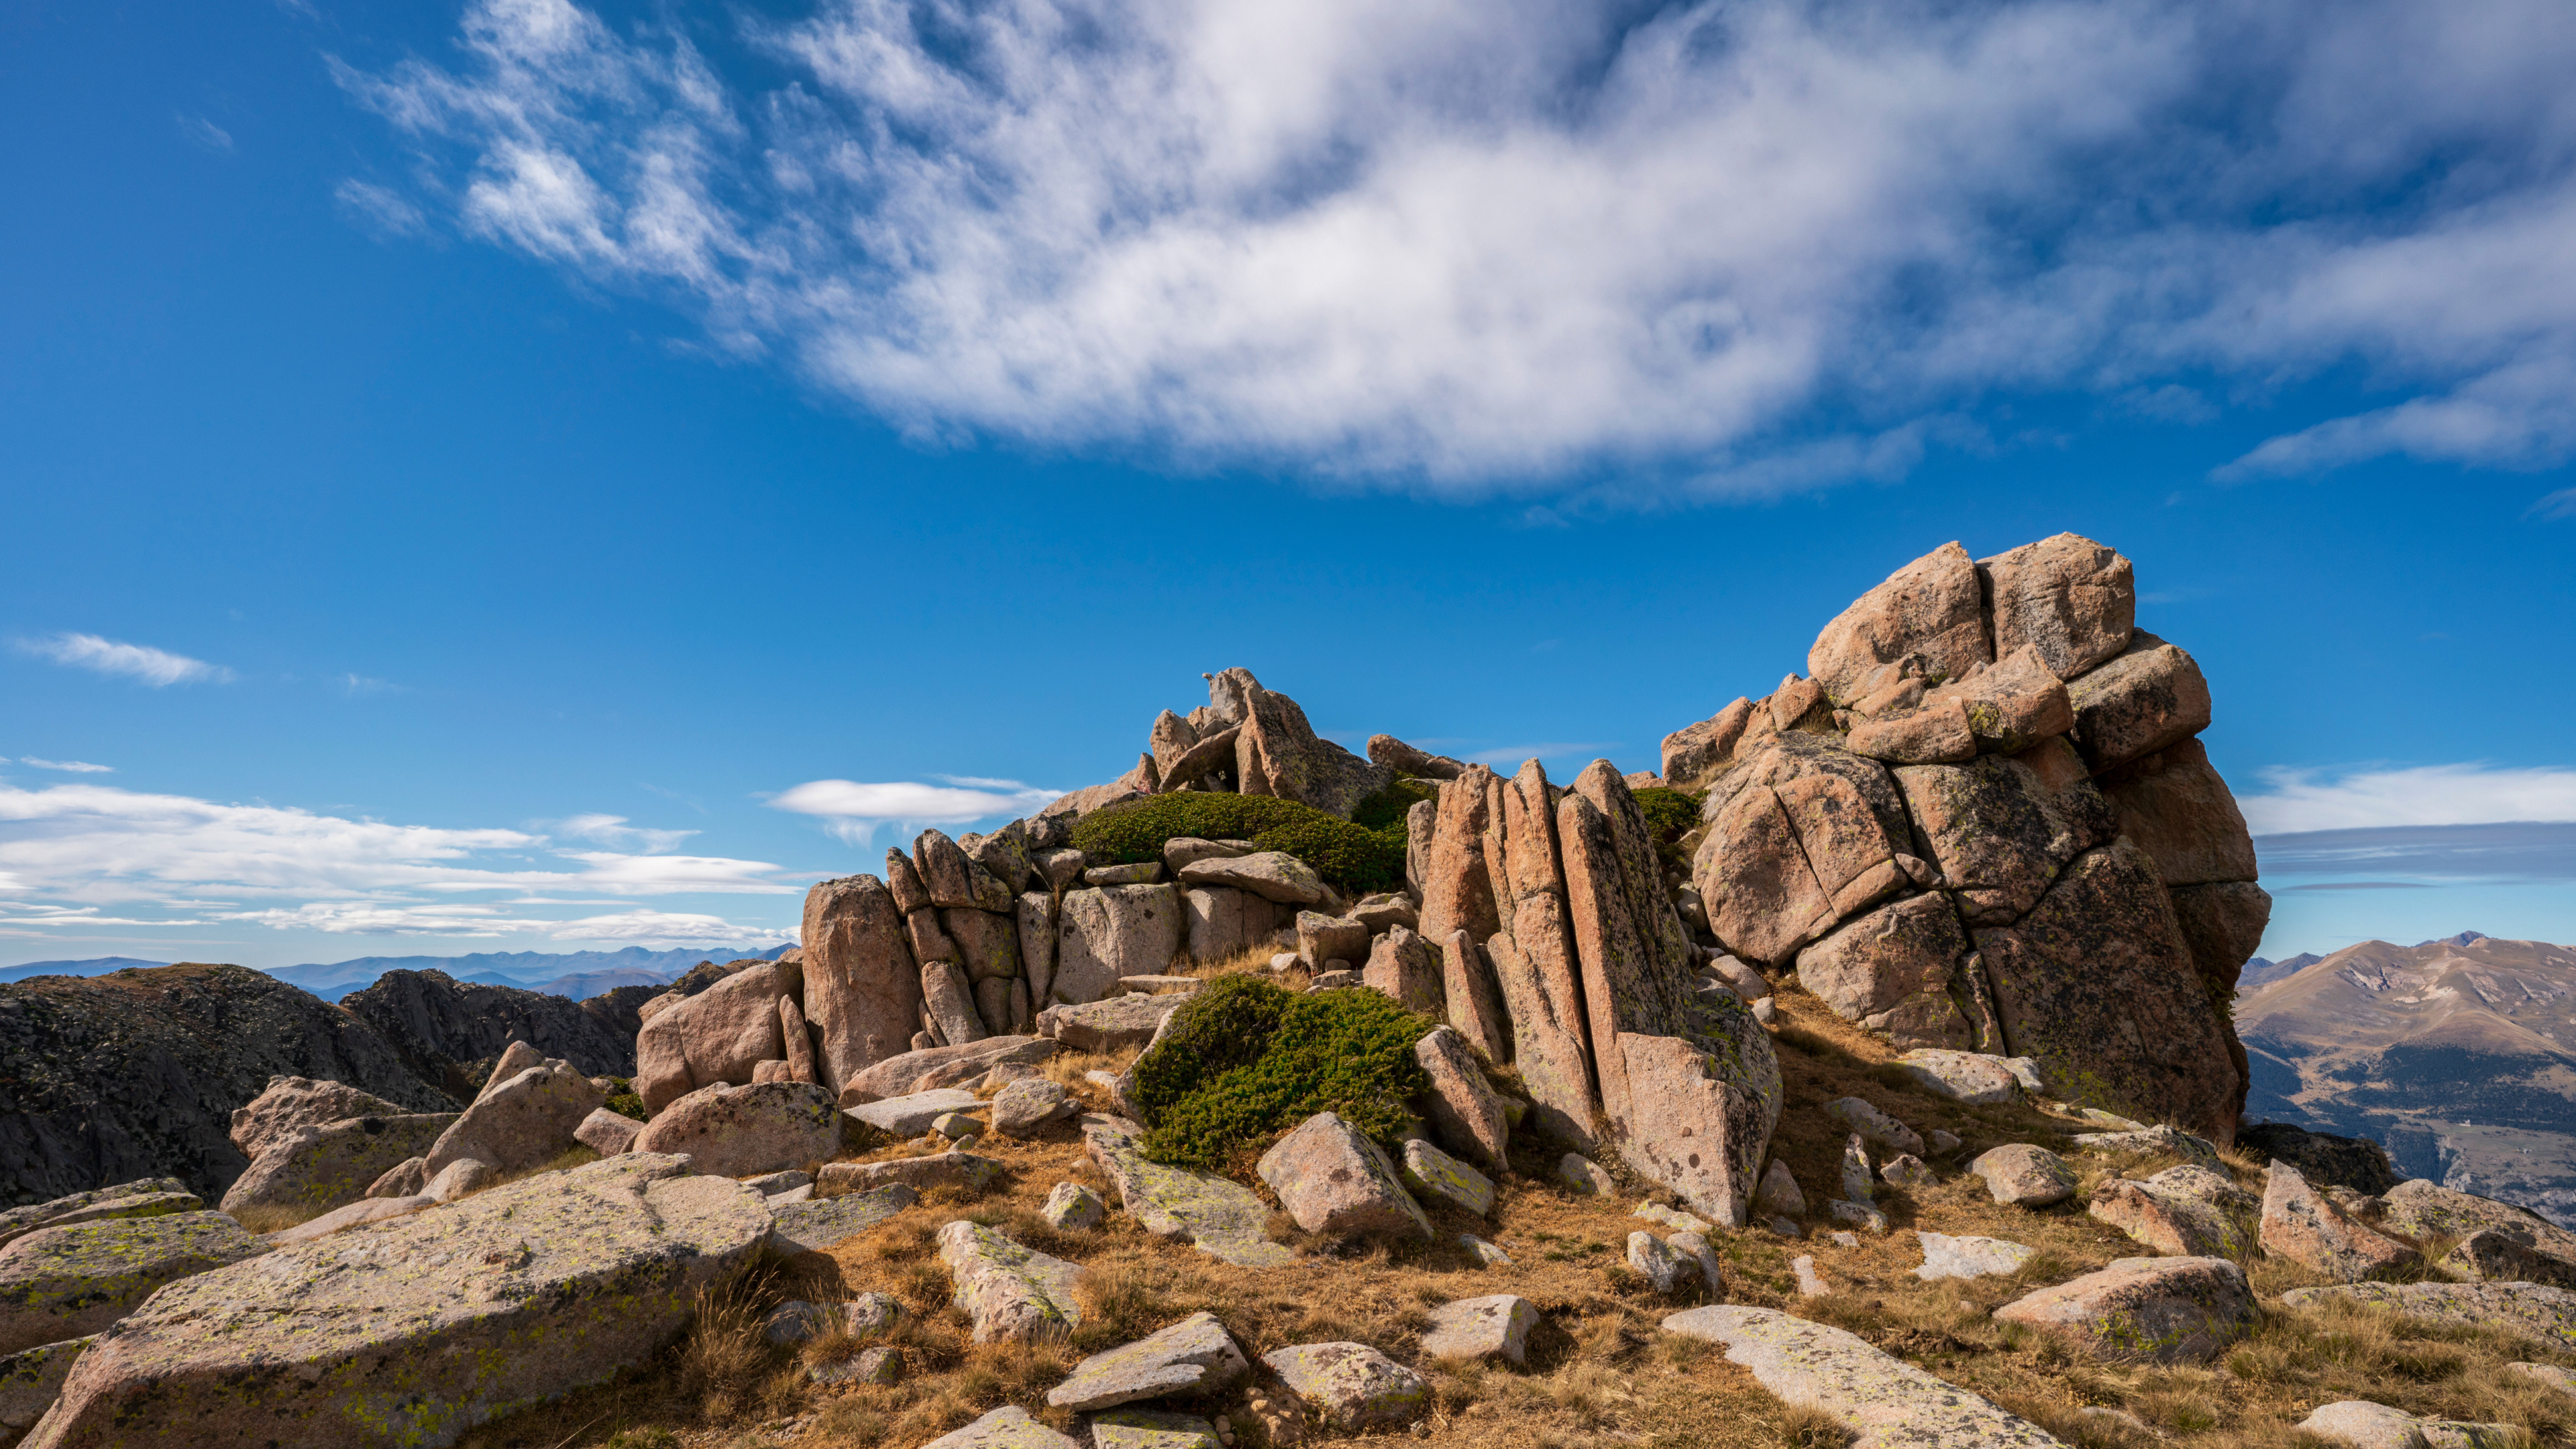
<point x="575" y="974"/>
<point x="2459" y="1055"/>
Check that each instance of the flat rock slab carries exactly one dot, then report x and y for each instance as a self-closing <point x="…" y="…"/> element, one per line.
<point x="936" y="1169"/>
<point x="1494" y="1326"/>
<point x="142" y="1198"/>
<point x="1004" y="1428"/>
<point x="69" y="1281"/>
<point x="1151" y="1429"/>
<point x="1968" y="1257"/>
<point x="1970" y="1077"/>
<point x="2365" y="1425"/>
<point x="2534" y="1310"/>
<point x="2154" y="1310"/>
<point x="1351" y="1386"/>
<point x="2152" y="1139"/>
<point x="1192" y="1355"/>
<point x="1110" y="1024"/>
<point x="1216" y="1215"/>
<point x="356" y="1215"/>
<point x="1011" y="1293"/>
<point x="912" y="1115"/>
<point x="1888" y="1404"/>
<point x="421" y="1329"/>
<point x="931" y="1068"/>
<point x="817" y="1223"/>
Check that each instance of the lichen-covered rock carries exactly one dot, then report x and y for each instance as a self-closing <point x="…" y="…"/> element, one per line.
<point x="2161" y="1138"/>
<point x="1464" y="1110"/>
<point x="2184" y="1212"/>
<point x="2301" y="1225"/>
<point x="815" y="1224"/>
<point x="1702" y="1109"/>
<point x="1029" y="1105"/>
<point x="1494" y="1326"/>
<point x="542" y="1286"/>
<point x="529" y="1119"/>
<point x="1885" y="1402"/>
<point x="2173" y="805"/>
<point x="1332" y="1179"/>
<point x="862" y="987"/>
<point x="1968" y="1257"/>
<point x="64" y="1282"/>
<point x="1889" y="972"/>
<point x="2067" y="597"/>
<point x="143" y="1198"/>
<point x="911" y="1115"/>
<point x="1273" y="875"/>
<point x="1008" y="1427"/>
<point x="1105" y="932"/>
<point x="1928" y="611"/>
<point x="1011" y="1293"/>
<point x="2000" y="831"/>
<point x="2154" y="1310"/>
<point x="931" y="1068"/>
<point x="740" y="1131"/>
<point x="1073" y="1208"/>
<point x="1584" y="1175"/>
<point x="938" y="1169"/>
<point x="1780" y="1194"/>
<point x="2365" y="1425"/>
<point x="1278" y="753"/>
<point x="2543" y="1251"/>
<point x="1195" y="1355"/>
<point x="2148" y="697"/>
<point x="1434" y="1175"/>
<point x="1218" y="1216"/>
<point x="289" y="1103"/>
<point x="1658" y="1265"/>
<point x="2096" y="983"/>
<point x="2534" y="1310"/>
<point x="356" y="1215"/>
<point x="1971" y="1077"/>
<point x="32" y="1378"/>
<point x="333" y="1163"/>
<point x="1874" y="1125"/>
<point x="1351" y="1386"/>
<point x="2021" y="1175"/>
<point x="1404" y="966"/>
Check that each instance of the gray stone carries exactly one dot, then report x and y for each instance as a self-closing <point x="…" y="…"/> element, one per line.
<point x="818" y="1223"/>
<point x="862" y="986"/>
<point x="1105" y="932"/>
<point x="1495" y="1326"/>
<point x="1906" y="1170"/>
<point x="871" y="1313"/>
<point x="2021" y="1175"/>
<point x="1780" y="1192"/>
<point x="958" y="1169"/>
<point x="1694" y="1252"/>
<point x="1279" y="754"/>
<point x="1323" y="939"/>
<point x="794" y="1321"/>
<point x="1111" y="1024"/>
<point x="1220" y="1217"/>
<point x="1024" y="1107"/>
<point x="1151" y="1429"/>
<point x="1811" y="1284"/>
<point x="771" y="1184"/>
<point x="1858" y="1186"/>
<point x="867" y="1366"/>
<point x="1488" y="1254"/>
<point x="1073" y="1208"/>
<point x="406" y="1179"/>
<point x="1659" y="1267"/>
<point x="1219" y="923"/>
<point x="1858" y="1214"/>
<point x="1273" y="875"/>
<point x="1407" y="968"/>
<point x="2155" y="1310"/>
<point x="1886" y="1403"/>
<point x="1195" y="1355"/>
<point x="2157" y="1139"/>
<point x="910" y="1116"/>
<point x="1141" y="873"/>
<point x="1008" y="1427"/>
<point x="945" y="1066"/>
<point x="1332" y="1179"/>
<point x="1968" y="1257"/>
<point x="1970" y="1077"/>
<point x="715" y="1037"/>
<point x="1434" y="1174"/>
<point x="2534" y="1310"/>
<point x="2178" y="1215"/>
<point x="1584" y="1175"/>
<point x="1351" y="1386"/>
<point x="601" y="1264"/>
<point x="1874" y="1126"/>
<point x="1010" y="1293"/>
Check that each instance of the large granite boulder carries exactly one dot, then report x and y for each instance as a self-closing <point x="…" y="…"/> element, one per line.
<point x="2301" y="1225"/>
<point x="1332" y="1179"/>
<point x="862" y="988"/>
<point x="742" y="1131"/>
<point x="326" y="1165"/>
<point x="2150" y="696"/>
<point x="1273" y="875"/>
<point x="290" y="1103"/>
<point x="1696" y="754"/>
<point x="64" y="1282"/>
<point x="2155" y="1310"/>
<point x="1890" y="971"/>
<point x="1106" y="932"/>
<point x="2175" y="807"/>
<point x="718" y="1036"/>
<point x="142" y="1198"/>
<point x="548" y="1284"/>
<point x="525" y="1121"/>
<point x="1929" y="611"/>
<point x="1458" y="890"/>
<point x="1113" y="1023"/>
<point x="1998" y="832"/>
<point x="2069" y="598"/>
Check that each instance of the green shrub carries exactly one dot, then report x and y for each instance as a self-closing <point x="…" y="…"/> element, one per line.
<point x="1386" y="809"/>
<point x="1246" y="1060"/>
<point x="1348" y="855"/>
<point x="623" y="1101"/>
<point x="1670" y="815"/>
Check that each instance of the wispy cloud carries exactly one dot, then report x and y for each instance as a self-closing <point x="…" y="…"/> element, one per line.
<point x="204" y="134"/>
<point x="856" y="808"/>
<point x="358" y="686"/>
<point x="613" y="830"/>
<point x="77" y="767"/>
<point x="635" y="928"/>
<point x="1470" y="247"/>
<point x="156" y="667"/>
<point x="377" y="210"/>
<point x="2510" y="851"/>
<point x="2458" y="794"/>
<point x="2561" y="504"/>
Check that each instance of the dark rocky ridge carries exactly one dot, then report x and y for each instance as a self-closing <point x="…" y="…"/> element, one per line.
<point x="449" y="1033"/>
<point x="136" y="1073"/>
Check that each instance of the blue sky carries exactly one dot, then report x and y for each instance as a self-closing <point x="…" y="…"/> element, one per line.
<point x="465" y="467"/>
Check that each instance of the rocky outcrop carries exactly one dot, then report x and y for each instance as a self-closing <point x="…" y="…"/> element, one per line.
<point x="551" y="1283"/>
<point x="324" y="1166"/>
<point x="718" y="1037"/>
<point x="2153" y="1310"/>
<point x="451" y="1032"/>
<point x="288" y="1104"/>
<point x="138" y="1073"/>
<point x="740" y="1131"/>
<point x="862" y="991"/>
<point x="1277" y="753"/>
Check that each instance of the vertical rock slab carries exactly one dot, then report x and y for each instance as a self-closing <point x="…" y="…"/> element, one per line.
<point x="1278" y="753"/>
<point x="1473" y="1005"/>
<point x="948" y="1000"/>
<point x="2069" y="598"/>
<point x="546" y="1285"/>
<point x="1105" y="932"/>
<point x="1458" y="892"/>
<point x="1931" y="610"/>
<point x="987" y="943"/>
<point x="945" y="871"/>
<point x="1037" y="943"/>
<point x="718" y="1035"/>
<point x="1702" y="1109"/>
<point x="799" y="1039"/>
<point x="1466" y="1112"/>
<point x="2096" y="983"/>
<point x="1402" y="965"/>
<point x="2176" y="808"/>
<point x="1634" y="953"/>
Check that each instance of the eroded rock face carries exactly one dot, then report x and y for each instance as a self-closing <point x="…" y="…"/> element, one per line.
<point x="1890" y="971"/>
<point x="740" y="1131"/>
<point x="1998" y="832"/>
<point x="1105" y="932"/>
<point x="2067" y="597"/>
<point x="1886" y="1402"/>
<point x="2149" y="697"/>
<point x="528" y="1119"/>
<point x="1278" y="753"/>
<point x="2154" y="1310"/>
<point x="547" y="1284"/>
<point x="1930" y="610"/>
<point x="862" y="988"/>
<point x="1332" y="1179"/>
<point x="329" y="1164"/>
<point x="2174" y="806"/>
<point x="1402" y="965"/>
<point x="290" y="1103"/>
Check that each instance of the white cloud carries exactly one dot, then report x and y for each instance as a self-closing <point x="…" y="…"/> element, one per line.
<point x="156" y="667"/>
<point x="613" y="830"/>
<point x="2561" y="504"/>
<point x="1476" y="246"/>
<point x="636" y="927"/>
<point x="204" y="134"/>
<point x="77" y="767"/>
<point x="857" y="808"/>
<point x="377" y="210"/>
<point x="2460" y="794"/>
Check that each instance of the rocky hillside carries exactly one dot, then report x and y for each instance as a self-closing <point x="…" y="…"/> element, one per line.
<point x="136" y="1073"/>
<point x="2458" y="1054"/>
<point x="450" y="1032"/>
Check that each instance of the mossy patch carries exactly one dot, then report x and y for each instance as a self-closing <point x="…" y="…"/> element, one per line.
<point x="1349" y="855"/>
<point x="1670" y="814"/>
<point x="1246" y="1060"/>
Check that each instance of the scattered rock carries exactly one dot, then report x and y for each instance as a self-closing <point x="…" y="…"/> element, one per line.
<point x="1494" y="1326"/>
<point x="1652" y="1261"/>
<point x="740" y="1131"/>
<point x="458" y="1179"/>
<point x="2157" y="1310"/>
<point x="1010" y="1293"/>
<point x="2557" y="1377"/>
<point x="601" y="1263"/>
<point x="1111" y="1024"/>
<point x="1693" y="1249"/>
<point x="1859" y="1215"/>
<point x="1978" y="1080"/>
<point x="2366" y="1425"/>
<point x="1436" y="1175"/>
<point x="2021" y="1175"/>
<point x="604" y="1132"/>
<point x="817" y="1223"/>
<point x="1857" y="1184"/>
<point x="715" y="1037"/>
<point x="1811" y="1284"/>
<point x="2538" y="1249"/>
<point x="910" y="1116"/>
<point x="1023" y="1107"/>
<point x="1679" y="1222"/>
<point x="1887" y="1404"/>
<point x="1874" y="1126"/>
<point x="1584" y="1175"/>
<point x="1008" y="1427"/>
<point x="2156" y="1139"/>
<point x="1195" y="1355"/>
<point x="1351" y="1386"/>
<point x="356" y="1215"/>
<point x="1073" y="1208"/>
<point x="1907" y="1170"/>
<point x="1487" y="1253"/>
<point x="867" y="1366"/>
<point x="530" y="1119"/>
<point x="2300" y="1225"/>
<point x="2534" y="1310"/>
<point x="938" y="1169"/>
<point x="1151" y="1429"/>
<point x="1219" y="1216"/>
<point x="1968" y="1257"/>
<point x="1943" y="1142"/>
<point x="2184" y="1212"/>
<point x="1780" y="1192"/>
<point x="794" y="1321"/>
<point x="1332" y="1179"/>
<point x="1405" y="967"/>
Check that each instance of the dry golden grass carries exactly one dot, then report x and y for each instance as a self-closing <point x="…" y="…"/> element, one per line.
<point x="1599" y="1374"/>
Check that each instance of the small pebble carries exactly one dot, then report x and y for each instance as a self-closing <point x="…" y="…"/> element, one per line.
<point x="1846" y="1240"/>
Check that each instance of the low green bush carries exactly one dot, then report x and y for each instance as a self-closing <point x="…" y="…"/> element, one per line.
<point x="1246" y="1060"/>
<point x="1348" y="855"/>
<point x="1670" y="815"/>
<point x="623" y="1101"/>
